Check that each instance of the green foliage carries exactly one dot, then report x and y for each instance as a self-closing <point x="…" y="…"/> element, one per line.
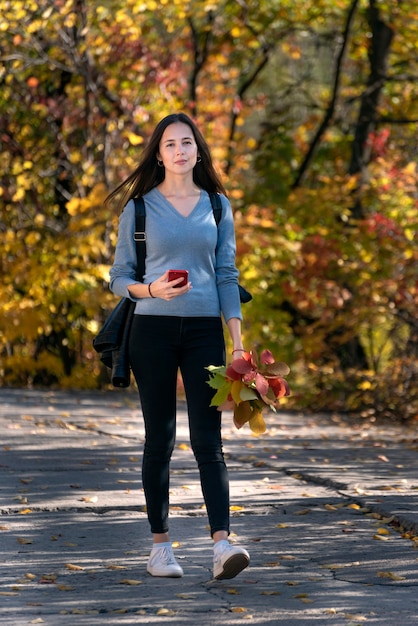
<point x="327" y="250"/>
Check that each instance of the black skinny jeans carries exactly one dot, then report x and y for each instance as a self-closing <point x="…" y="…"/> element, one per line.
<point x="159" y="347"/>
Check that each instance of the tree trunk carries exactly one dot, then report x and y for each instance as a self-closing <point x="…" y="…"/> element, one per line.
<point x="380" y="43"/>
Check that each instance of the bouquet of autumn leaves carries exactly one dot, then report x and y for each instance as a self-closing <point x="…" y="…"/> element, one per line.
<point x="248" y="385"/>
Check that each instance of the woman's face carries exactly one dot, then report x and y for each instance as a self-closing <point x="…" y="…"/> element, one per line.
<point x="178" y="149"/>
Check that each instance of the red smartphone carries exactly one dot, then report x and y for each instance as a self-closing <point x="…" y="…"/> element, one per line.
<point x="173" y="274"/>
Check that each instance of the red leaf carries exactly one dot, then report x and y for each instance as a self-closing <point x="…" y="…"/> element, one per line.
<point x="266" y="357"/>
<point x="261" y="384"/>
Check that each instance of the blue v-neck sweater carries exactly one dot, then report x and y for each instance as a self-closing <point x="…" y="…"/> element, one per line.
<point x="194" y="243"/>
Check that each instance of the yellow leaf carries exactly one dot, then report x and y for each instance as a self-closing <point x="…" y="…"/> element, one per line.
<point x="303" y="512"/>
<point x="390" y="575"/>
<point x="8" y="593"/>
<point x="383" y="531"/>
<point x="238" y="609"/>
<point x="236" y="507"/>
<point x="257" y="423"/>
<point x="135" y="140"/>
<point x="167" y="612"/>
<point x="232" y="592"/>
<point x="130" y="581"/>
<point x="74" y="568"/>
<point x="236" y="387"/>
<point x="25" y="511"/>
<point x="242" y="414"/>
<point x="270" y="593"/>
<point x="183" y="446"/>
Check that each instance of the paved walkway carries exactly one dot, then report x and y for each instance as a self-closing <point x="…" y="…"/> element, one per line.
<point x="327" y="508"/>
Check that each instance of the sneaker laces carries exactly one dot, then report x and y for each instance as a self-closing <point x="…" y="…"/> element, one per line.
<point x="166" y="555"/>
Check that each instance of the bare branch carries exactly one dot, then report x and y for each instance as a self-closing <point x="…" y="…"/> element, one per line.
<point x="331" y="106"/>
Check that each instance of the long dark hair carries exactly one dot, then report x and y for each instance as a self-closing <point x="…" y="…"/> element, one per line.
<point x="149" y="174"/>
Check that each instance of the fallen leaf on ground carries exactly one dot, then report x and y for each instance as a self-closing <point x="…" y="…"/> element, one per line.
<point x="74" y="568"/>
<point x="130" y="581"/>
<point x="390" y="575"/>
<point x="9" y="593"/>
<point x="303" y="512"/>
<point x="48" y="579"/>
<point x="167" y="612"/>
<point x="270" y="593"/>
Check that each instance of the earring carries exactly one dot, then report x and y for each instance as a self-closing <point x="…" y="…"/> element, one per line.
<point x="199" y="158"/>
<point x="160" y="163"/>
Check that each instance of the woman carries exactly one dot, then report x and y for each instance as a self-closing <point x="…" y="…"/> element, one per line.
<point x="179" y="327"/>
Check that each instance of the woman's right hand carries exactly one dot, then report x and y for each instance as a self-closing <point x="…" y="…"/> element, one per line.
<point x="162" y="288"/>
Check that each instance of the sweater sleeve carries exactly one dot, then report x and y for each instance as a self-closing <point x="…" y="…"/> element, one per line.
<point x="226" y="270"/>
<point x="123" y="270"/>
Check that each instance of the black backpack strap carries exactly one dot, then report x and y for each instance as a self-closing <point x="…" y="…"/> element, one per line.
<point x="216" y="202"/>
<point x="140" y="237"/>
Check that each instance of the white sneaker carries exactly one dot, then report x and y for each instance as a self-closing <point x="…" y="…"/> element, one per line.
<point x="162" y="562"/>
<point x="229" y="560"/>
